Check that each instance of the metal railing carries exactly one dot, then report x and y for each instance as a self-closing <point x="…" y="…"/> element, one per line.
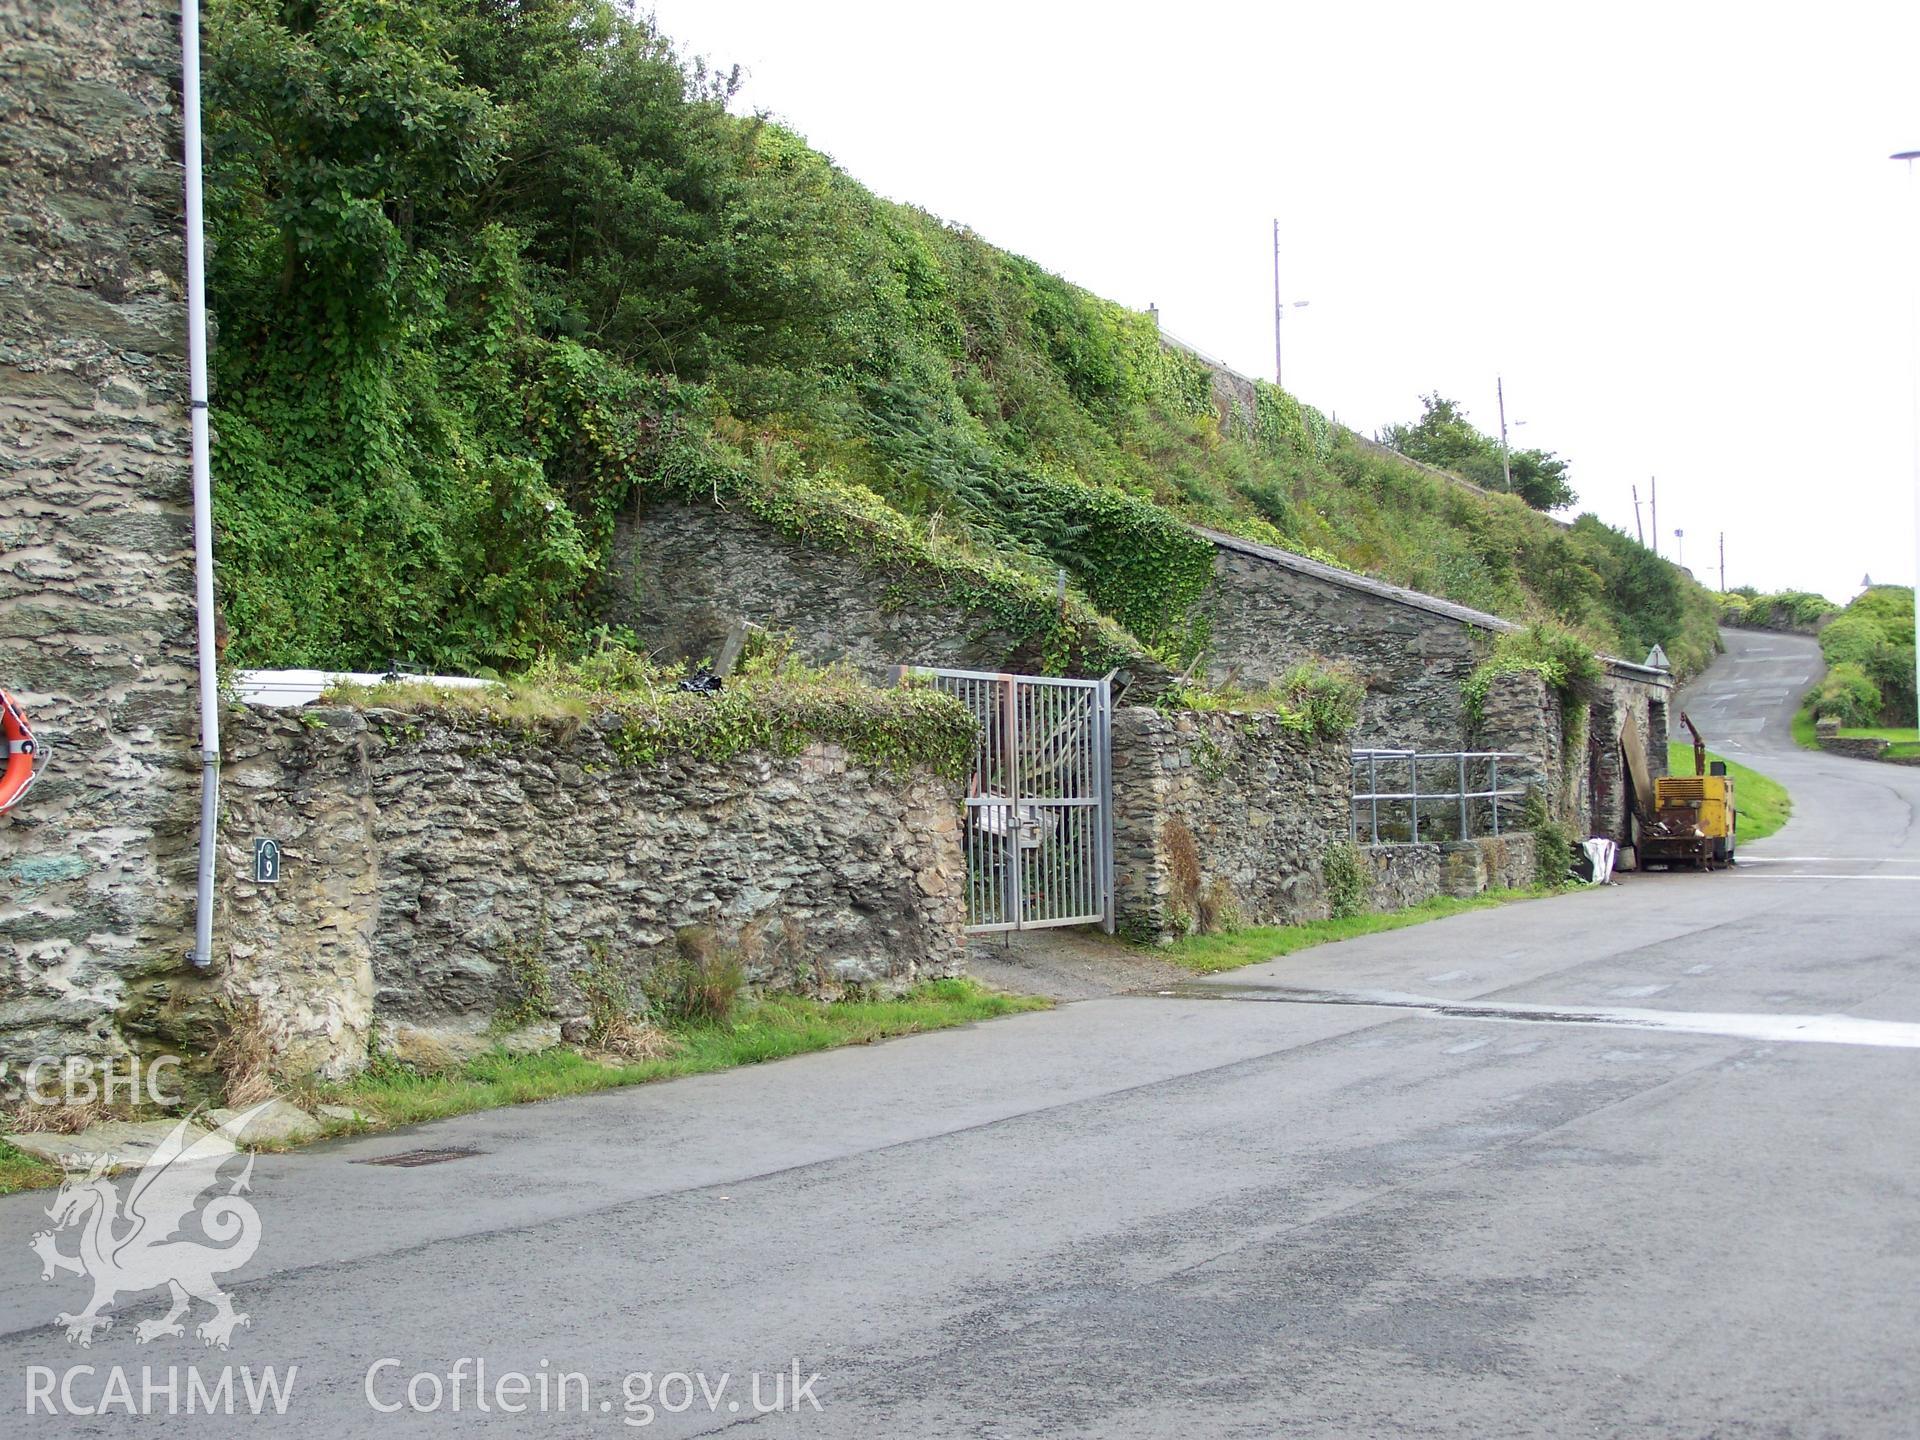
<point x="1451" y="800"/>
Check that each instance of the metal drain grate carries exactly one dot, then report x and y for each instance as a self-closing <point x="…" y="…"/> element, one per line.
<point x="410" y="1159"/>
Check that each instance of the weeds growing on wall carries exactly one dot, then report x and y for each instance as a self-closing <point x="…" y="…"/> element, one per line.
<point x="1565" y="662"/>
<point x="698" y="983"/>
<point x="1553" y="842"/>
<point x="1348" y="877"/>
<point x="772" y="703"/>
<point x="1318" y="698"/>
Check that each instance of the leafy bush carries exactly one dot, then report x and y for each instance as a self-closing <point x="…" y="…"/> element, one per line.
<point x="1795" y="610"/>
<point x="1561" y="659"/>
<point x="1443" y="436"/>
<point x="1873" y="635"/>
<point x="1847" y="694"/>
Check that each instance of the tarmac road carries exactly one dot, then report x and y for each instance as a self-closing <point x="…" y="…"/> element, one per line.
<point x="1673" y="1197"/>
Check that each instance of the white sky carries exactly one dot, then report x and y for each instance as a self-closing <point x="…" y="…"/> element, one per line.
<point x="1673" y="229"/>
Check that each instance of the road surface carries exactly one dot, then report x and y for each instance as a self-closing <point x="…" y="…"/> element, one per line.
<point x="1587" y="1166"/>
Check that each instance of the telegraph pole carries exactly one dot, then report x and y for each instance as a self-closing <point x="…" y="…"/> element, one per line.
<point x="1723" y="562"/>
<point x="1506" y="467"/>
<point x="1639" y="533"/>
<point x="1276" y="304"/>
<point x="1653" y="500"/>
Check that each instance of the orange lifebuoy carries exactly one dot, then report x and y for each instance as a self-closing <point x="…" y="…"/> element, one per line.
<point x="19" y="775"/>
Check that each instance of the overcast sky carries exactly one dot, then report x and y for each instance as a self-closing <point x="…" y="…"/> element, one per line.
<point x="1673" y="228"/>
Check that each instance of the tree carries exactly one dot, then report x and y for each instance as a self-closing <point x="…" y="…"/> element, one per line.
<point x="1443" y="436"/>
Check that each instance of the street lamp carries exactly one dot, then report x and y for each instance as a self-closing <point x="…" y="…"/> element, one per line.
<point x="1913" y="375"/>
<point x="1680" y="558"/>
<point x="1279" y="308"/>
<point x="1506" y="466"/>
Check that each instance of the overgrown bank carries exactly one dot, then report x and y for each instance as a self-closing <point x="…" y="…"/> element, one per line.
<point x="484" y="276"/>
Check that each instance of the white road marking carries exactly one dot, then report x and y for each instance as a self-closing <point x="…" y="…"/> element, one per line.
<point x="1809" y="1029"/>
<point x="1827" y="860"/>
<point x="1816" y="875"/>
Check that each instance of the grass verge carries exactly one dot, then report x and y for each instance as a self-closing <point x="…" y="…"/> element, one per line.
<point x="769" y="1029"/>
<point x="1803" y="731"/>
<point x="1231" y="949"/>
<point x="1763" y="803"/>
<point x="20" y="1171"/>
<point x="1904" y="739"/>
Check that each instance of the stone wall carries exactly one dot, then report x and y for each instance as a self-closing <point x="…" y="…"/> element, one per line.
<point x="429" y="860"/>
<point x="1221" y="818"/>
<point x="683" y="574"/>
<point x="1522" y="715"/>
<point x="1405" y="875"/>
<point x="1268" y="610"/>
<point x="96" y="603"/>
<point x="1856" y="747"/>
<point x="1590" y="788"/>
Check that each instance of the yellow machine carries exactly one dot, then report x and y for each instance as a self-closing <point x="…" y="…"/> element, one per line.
<point x="1694" y="818"/>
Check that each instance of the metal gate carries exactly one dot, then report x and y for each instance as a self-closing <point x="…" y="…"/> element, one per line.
<point x="1039" y="824"/>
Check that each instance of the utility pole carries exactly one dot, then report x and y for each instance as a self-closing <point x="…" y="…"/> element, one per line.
<point x="1506" y="467"/>
<point x="1653" y="501"/>
<point x="1723" y="562"/>
<point x="1276" y="304"/>
<point x="1639" y="534"/>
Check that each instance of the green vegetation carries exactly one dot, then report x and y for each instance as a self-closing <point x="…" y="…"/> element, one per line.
<point x="1230" y="950"/>
<point x="773" y="703"/>
<point x="21" y="1171"/>
<point x="1349" y="880"/>
<point x="1902" y="740"/>
<point x="1314" y="698"/>
<point x="1847" y="694"/>
<point x="1443" y="436"/>
<point x="1762" y="802"/>
<point x="767" y="1029"/>
<point x="1869" y="653"/>
<point x="1797" y="610"/>
<point x="1563" y="660"/>
<point x="486" y="274"/>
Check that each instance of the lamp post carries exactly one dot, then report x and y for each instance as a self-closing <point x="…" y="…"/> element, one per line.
<point x="1913" y="378"/>
<point x="1280" y="308"/>
<point x="1506" y="467"/>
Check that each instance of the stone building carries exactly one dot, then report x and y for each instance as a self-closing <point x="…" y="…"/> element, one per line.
<point x="1269" y="609"/>
<point x="96" y="590"/>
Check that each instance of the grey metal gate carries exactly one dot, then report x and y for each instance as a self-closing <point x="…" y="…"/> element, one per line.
<point x="1039" y="823"/>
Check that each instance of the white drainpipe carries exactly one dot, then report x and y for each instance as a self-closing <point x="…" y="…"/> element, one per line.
<point x="202" y="953"/>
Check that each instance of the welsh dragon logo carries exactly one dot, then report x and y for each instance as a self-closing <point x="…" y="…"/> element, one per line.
<point x="136" y="1243"/>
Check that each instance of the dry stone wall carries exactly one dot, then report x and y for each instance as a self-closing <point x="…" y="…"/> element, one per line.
<point x="1221" y="818"/>
<point x="96" y="604"/>
<point x="439" y="871"/>
<point x="1404" y="875"/>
